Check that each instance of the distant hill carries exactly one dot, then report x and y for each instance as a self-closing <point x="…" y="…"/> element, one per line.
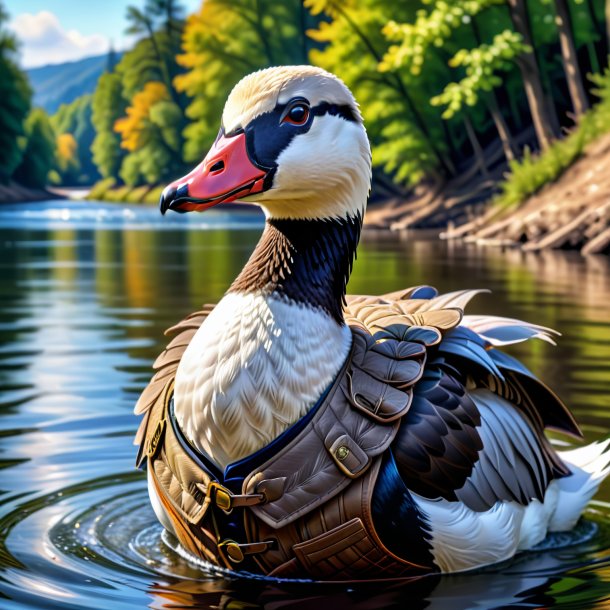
<point x="58" y="84"/>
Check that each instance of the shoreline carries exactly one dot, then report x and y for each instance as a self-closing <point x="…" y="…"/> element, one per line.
<point x="13" y="192"/>
<point x="571" y="213"/>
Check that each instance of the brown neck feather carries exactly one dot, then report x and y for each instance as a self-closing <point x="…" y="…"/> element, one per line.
<point x="305" y="261"/>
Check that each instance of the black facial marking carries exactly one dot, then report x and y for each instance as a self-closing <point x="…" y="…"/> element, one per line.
<point x="269" y="134"/>
<point x="306" y="261"/>
<point x="344" y="111"/>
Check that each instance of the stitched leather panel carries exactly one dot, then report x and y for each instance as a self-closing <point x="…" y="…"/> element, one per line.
<point x="334" y="553"/>
<point x="369" y="397"/>
<point x="176" y="472"/>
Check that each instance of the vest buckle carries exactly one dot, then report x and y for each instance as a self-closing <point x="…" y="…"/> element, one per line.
<point x="226" y="500"/>
<point x="235" y="552"/>
<point x="220" y="496"/>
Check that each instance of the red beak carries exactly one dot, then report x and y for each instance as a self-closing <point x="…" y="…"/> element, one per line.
<point x="226" y="174"/>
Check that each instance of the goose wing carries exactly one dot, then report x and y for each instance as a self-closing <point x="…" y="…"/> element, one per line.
<point x="475" y="430"/>
<point x="165" y="367"/>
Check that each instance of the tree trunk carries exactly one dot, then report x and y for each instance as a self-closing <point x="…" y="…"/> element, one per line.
<point x="501" y="126"/>
<point x="608" y="23"/>
<point x="580" y="103"/>
<point x="476" y="146"/>
<point x="492" y="105"/>
<point x="531" y="76"/>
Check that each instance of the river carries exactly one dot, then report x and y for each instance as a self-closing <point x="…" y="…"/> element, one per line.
<point x="86" y="290"/>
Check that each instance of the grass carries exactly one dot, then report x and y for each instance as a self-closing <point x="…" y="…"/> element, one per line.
<point x="100" y="189"/>
<point x="107" y="190"/>
<point x="532" y="172"/>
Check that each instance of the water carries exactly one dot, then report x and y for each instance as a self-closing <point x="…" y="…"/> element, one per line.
<point x="85" y="293"/>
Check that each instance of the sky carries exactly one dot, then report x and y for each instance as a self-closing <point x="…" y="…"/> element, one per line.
<point x="55" y="31"/>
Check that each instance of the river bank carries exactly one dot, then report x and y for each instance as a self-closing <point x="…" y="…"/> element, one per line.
<point x="570" y="213"/>
<point x="12" y="192"/>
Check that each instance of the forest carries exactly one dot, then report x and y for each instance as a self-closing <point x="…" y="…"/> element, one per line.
<point x="495" y="96"/>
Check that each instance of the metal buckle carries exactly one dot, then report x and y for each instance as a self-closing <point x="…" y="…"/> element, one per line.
<point x="220" y="496"/>
<point x="231" y="550"/>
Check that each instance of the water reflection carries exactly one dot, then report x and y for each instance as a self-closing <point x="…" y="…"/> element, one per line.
<point x="82" y="310"/>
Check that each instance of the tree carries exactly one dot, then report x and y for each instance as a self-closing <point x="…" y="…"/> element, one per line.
<point x="39" y="152"/>
<point x="438" y="28"/>
<point x="15" y="97"/>
<point x="407" y="134"/>
<point x="482" y="66"/>
<point x="151" y="133"/>
<point x="107" y="106"/>
<point x="607" y="7"/>
<point x="226" y="40"/>
<point x="578" y="95"/>
<point x="67" y="161"/>
<point x="530" y="72"/>
<point x="75" y="119"/>
<point x="161" y="22"/>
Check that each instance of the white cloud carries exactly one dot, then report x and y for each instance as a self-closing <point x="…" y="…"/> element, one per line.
<point x="45" y="41"/>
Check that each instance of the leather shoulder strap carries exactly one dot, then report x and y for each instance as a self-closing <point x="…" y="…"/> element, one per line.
<point x="357" y="421"/>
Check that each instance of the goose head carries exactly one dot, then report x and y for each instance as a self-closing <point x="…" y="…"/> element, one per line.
<point x="291" y="140"/>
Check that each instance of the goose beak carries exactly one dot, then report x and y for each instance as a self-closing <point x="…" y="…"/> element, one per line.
<point x="226" y="174"/>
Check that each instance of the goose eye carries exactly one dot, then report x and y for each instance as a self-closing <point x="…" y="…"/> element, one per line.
<point x="297" y="114"/>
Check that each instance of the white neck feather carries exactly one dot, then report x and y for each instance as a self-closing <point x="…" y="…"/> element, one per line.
<point x="256" y="365"/>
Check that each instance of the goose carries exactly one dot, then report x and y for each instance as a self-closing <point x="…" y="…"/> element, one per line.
<point x="292" y="431"/>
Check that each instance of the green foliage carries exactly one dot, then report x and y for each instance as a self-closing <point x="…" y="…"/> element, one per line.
<point x="430" y="28"/>
<point x="14" y="104"/>
<point x="118" y="194"/>
<point x="482" y="66"/>
<point x="107" y="106"/>
<point x="138" y="114"/>
<point x="101" y="188"/>
<point x="153" y="195"/>
<point x="226" y="40"/>
<point x="151" y="131"/>
<point x="531" y="173"/>
<point x="437" y="80"/>
<point x="39" y="152"/>
<point x="76" y="119"/>
<point x="405" y="131"/>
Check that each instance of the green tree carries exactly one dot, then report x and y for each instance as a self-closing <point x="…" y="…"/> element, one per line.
<point x="39" y="152"/>
<point x="539" y="105"/>
<point x="151" y="132"/>
<point x="15" y="97"/>
<point x="107" y="106"/>
<point x="408" y="136"/>
<point x="226" y="40"/>
<point x="75" y="119"/>
<point x="482" y="67"/>
<point x="160" y="23"/>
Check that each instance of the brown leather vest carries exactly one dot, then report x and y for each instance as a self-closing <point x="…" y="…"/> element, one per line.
<point x="305" y="511"/>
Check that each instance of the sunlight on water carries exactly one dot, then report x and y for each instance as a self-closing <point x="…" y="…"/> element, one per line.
<point x="58" y="215"/>
<point x="86" y="291"/>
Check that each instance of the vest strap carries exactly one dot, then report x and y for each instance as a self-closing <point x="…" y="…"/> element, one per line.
<point x="235" y="552"/>
<point x="226" y="500"/>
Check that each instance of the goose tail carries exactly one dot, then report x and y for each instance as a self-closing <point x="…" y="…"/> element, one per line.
<point x="589" y="465"/>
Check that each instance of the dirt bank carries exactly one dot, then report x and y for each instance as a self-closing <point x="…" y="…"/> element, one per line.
<point x="16" y="193"/>
<point x="571" y="213"/>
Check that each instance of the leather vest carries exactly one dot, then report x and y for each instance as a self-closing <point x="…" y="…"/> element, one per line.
<point x="303" y="507"/>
